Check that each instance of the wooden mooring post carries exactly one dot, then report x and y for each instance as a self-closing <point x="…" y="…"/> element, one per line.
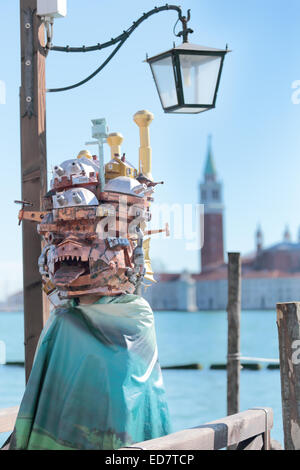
<point x="233" y="346"/>
<point x="288" y="323"/>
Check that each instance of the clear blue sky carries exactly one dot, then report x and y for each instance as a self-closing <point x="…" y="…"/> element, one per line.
<point x="255" y="126"/>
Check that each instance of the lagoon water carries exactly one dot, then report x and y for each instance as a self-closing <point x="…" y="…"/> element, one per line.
<point x="194" y="396"/>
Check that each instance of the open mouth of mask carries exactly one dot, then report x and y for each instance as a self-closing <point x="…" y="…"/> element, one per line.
<point x="67" y="269"/>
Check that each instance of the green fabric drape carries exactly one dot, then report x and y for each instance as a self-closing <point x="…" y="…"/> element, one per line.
<point x="96" y="382"/>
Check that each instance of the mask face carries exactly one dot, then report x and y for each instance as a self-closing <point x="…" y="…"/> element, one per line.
<point x="93" y="242"/>
<point x="94" y="221"/>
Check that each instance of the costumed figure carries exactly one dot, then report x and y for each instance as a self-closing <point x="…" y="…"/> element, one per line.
<point x="96" y="382"/>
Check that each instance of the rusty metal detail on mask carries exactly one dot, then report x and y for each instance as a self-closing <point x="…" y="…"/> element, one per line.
<point x="93" y="238"/>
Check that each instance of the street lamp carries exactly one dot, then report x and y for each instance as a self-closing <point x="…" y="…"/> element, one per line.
<point x="187" y="77"/>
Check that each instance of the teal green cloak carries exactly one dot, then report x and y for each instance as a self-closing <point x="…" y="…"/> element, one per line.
<point x="96" y="382"/>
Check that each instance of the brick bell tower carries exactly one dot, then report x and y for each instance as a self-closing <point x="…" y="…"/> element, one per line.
<point x="212" y="252"/>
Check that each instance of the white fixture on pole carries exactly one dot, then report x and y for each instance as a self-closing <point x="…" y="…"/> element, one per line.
<point x="52" y="8"/>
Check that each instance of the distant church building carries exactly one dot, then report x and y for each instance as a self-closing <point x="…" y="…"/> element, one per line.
<point x="269" y="274"/>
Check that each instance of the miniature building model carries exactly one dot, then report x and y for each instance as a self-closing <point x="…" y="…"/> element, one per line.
<point x="94" y="239"/>
<point x="118" y="166"/>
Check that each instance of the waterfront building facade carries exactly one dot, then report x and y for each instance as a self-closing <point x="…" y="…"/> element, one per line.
<point x="269" y="274"/>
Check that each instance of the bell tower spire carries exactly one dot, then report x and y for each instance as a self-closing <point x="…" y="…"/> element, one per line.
<point x="287" y="234"/>
<point x="210" y="173"/>
<point x="212" y="252"/>
<point x="259" y="239"/>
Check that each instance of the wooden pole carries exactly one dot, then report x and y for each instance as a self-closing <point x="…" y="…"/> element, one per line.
<point x="233" y="347"/>
<point x="288" y="323"/>
<point x="33" y="168"/>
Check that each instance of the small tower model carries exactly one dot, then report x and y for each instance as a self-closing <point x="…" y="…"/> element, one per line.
<point x="99" y="132"/>
<point x="143" y="119"/>
<point x="212" y="252"/>
<point x="117" y="166"/>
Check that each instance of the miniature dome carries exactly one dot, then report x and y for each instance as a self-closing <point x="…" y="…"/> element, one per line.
<point x="74" y="172"/>
<point x="125" y="185"/>
<point x="74" y="197"/>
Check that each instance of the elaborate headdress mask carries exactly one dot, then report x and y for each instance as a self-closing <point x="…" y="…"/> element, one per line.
<point x="93" y="236"/>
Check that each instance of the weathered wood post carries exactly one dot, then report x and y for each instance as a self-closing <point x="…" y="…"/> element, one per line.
<point x="33" y="168"/>
<point x="288" y="323"/>
<point x="233" y="347"/>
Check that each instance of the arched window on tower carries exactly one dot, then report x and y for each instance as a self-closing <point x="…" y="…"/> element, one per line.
<point x="215" y="194"/>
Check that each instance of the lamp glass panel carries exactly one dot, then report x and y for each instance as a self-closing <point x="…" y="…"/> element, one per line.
<point x="199" y="78"/>
<point x="186" y="110"/>
<point x="163" y="73"/>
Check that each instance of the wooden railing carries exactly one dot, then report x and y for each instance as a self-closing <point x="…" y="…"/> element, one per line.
<point x="249" y="430"/>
